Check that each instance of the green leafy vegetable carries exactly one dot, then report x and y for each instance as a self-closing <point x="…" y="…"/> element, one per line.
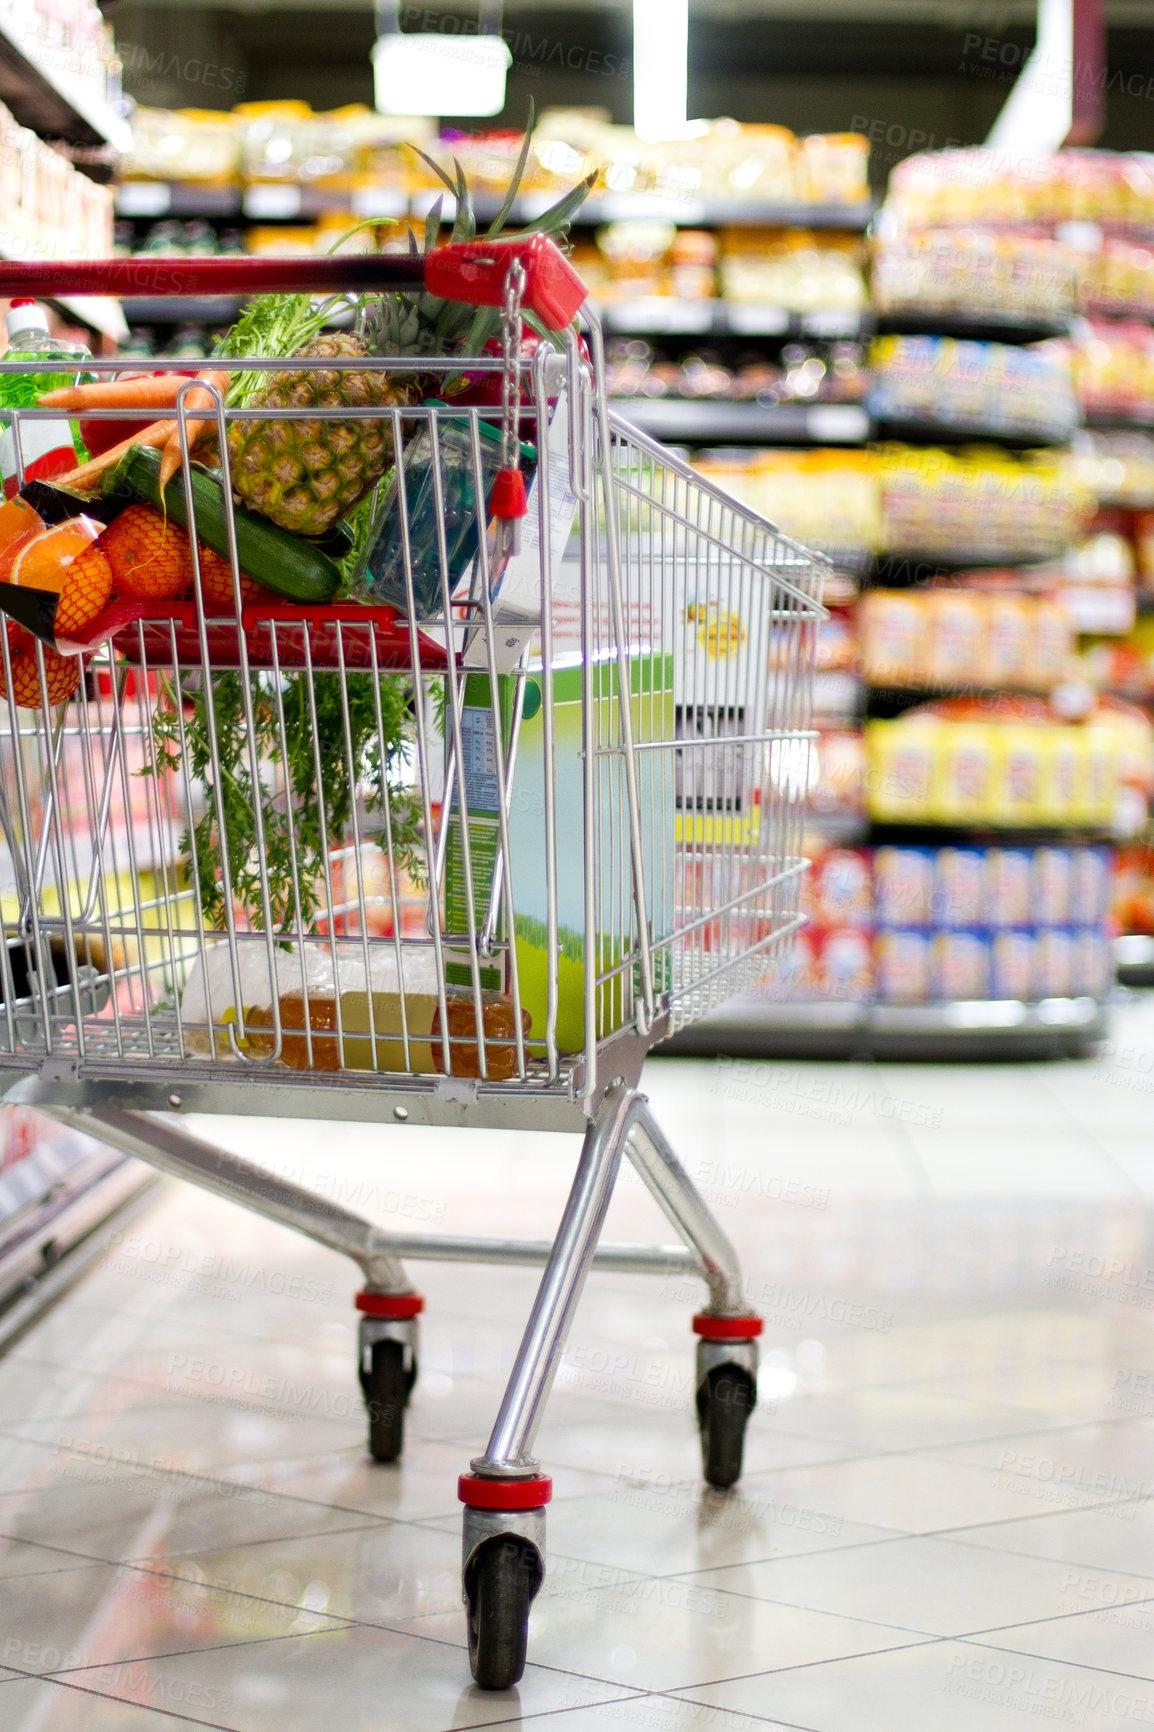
<point x="308" y="807"/>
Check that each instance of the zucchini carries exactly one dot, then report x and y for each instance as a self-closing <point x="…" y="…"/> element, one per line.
<point x="279" y="560"/>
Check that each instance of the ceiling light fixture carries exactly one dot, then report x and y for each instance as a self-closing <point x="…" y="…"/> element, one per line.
<point x="660" y="68"/>
<point x="440" y="72"/>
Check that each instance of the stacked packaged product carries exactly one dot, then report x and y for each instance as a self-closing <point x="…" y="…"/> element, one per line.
<point x="984" y="232"/>
<point x="354" y="148"/>
<point x="939" y="381"/>
<point x="915" y="924"/>
<point x="798" y="269"/>
<point x="48" y="209"/>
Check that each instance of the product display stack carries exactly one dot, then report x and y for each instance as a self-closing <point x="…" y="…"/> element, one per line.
<point x="974" y="769"/>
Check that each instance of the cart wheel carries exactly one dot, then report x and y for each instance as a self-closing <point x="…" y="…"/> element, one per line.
<point x="724" y="1403"/>
<point x="387" y="1385"/>
<point x="501" y="1579"/>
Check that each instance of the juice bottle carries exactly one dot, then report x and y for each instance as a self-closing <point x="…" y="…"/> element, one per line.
<point x="48" y="448"/>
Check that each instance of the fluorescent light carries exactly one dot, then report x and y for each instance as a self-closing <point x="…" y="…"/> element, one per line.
<point x="660" y="67"/>
<point x="429" y="74"/>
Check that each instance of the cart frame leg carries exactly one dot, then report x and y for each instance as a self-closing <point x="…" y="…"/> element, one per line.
<point x="624" y="1123"/>
<point x="508" y="1453"/>
<point x="164" y="1143"/>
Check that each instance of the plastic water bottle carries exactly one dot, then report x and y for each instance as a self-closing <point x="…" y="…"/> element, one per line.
<point x="48" y="448"/>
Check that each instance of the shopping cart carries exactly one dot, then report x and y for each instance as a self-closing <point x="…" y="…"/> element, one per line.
<point x="461" y="854"/>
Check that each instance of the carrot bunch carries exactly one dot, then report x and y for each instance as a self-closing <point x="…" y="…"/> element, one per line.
<point x="148" y="393"/>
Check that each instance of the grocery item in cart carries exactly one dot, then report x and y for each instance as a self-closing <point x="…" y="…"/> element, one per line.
<point x="434" y="533"/>
<point x="43" y="448"/>
<point x="346" y="1002"/>
<point x="651" y="709"/>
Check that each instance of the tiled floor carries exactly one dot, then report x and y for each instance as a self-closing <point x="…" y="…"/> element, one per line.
<point x="947" y="1519"/>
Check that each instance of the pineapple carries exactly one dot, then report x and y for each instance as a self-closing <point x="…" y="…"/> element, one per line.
<point x="304" y="475"/>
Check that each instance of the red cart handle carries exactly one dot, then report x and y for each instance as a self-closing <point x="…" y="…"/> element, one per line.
<point x="470" y="271"/>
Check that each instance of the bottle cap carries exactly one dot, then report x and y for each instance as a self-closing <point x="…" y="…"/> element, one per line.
<point x="25" y="315"/>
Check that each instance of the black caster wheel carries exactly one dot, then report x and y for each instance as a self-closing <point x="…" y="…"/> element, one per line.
<point x="724" y="1403"/>
<point x="387" y="1384"/>
<point x="501" y="1579"/>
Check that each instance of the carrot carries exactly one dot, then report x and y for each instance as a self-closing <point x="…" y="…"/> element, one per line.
<point x="87" y="478"/>
<point x="195" y="430"/>
<point x="145" y="392"/>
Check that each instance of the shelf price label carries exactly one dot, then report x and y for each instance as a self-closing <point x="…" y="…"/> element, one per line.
<point x="143" y="198"/>
<point x="841" y="423"/>
<point x="757" y="320"/>
<point x="831" y="322"/>
<point x="272" y="201"/>
<point x="379" y="201"/>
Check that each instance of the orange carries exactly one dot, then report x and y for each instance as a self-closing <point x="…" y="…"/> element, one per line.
<point x="216" y="583"/>
<point x="61" y="678"/>
<point x="87" y="588"/>
<point x="150" y="558"/>
<point x="43" y="563"/>
<point x="19" y="524"/>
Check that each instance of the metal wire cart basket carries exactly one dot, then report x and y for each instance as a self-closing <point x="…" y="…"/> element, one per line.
<point x="457" y="848"/>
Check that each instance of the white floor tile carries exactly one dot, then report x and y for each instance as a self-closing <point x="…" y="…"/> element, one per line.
<point x="955" y="1437"/>
<point x="936" y="1587"/>
<point x="949" y="1686"/>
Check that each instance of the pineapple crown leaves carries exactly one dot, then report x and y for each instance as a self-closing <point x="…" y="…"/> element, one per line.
<point x="449" y="327"/>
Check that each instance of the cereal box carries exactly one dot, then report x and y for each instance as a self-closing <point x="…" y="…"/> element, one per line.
<point x="1053" y="963"/>
<point x="1012" y="964"/>
<point x="904" y="885"/>
<point x="903" y="967"/>
<point x="961" y="965"/>
<point x="960" y="893"/>
<point x="1053" y="885"/>
<point x="1010" y="877"/>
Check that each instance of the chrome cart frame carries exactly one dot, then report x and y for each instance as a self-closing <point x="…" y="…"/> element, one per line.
<point x="679" y="628"/>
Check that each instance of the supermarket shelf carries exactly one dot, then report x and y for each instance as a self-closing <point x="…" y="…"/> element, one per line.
<point x="70" y="1231"/>
<point x="189" y="198"/>
<point x="53" y="102"/>
<point x="912" y="432"/>
<point x="181" y="309"/>
<point x="885" y="701"/>
<point x="1134" y="959"/>
<point x="705" y="421"/>
<point x="95" y="311"/>
<point x="926" y="833"/>
<point x="272" y="201"/>
<point x="912" y="565"/>
<point x="978" y="327"/>
<point x="968" y="1029"/>
<point x="692" y="213"/>
<point x="662" y="315"/>
<point x="1119" y="422"/>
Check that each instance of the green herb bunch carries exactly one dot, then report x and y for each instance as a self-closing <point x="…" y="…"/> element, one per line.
<point x="325" y="765"/>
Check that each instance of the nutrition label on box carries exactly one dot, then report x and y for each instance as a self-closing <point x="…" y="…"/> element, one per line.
<point x="479" y="760"/>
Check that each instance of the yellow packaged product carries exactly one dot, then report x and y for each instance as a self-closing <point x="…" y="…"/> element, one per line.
<point x="1063" y="776"/>
<point x="1114" y="750"/>
<point x="892" y="625"/>
<point x="955" y="638"/>
<point x="900" y="763"/>
<point x="1020" y="782"/>
<point x="1050" y="647"/>
<point x="1005" y="655"/>
<point x="834" y="167"/>
<point x="965" y="774"/>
